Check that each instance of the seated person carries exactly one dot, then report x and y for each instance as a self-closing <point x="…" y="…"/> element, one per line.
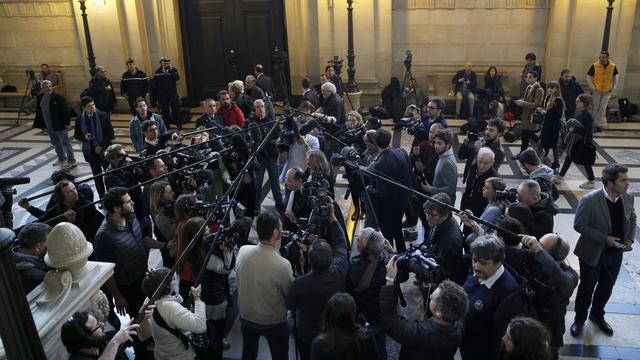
<point x="465" y="83"/>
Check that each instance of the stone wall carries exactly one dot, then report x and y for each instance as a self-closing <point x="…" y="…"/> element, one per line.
<point x="632" y="78"/>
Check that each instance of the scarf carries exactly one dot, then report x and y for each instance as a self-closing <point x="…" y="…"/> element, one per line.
<point x="91" y="124"/>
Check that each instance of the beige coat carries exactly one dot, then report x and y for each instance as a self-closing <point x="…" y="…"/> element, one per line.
<point x="533" y="97"/>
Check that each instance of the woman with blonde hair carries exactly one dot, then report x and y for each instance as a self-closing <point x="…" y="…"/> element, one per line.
<point x="318" y="166"/>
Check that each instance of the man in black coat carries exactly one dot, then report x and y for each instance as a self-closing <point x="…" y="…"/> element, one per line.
<point x="433" y="115"/>
<point x="483" y="169"/>
<point x="165" y="89"/>
<point x="134" y="84"/>
<point x="308" y="94"/>
<point x="570" y="90"/>
<point x="264" y="82"/>
<point x="210" y="118"/>
<point x="393" y="163"/>
<point x="491" y="139"/>
<point x="444" y="240"/>
<point x="52" y="115"/>
<point x="465" y="83"/>
<point x="311" y="292"/>
<point x="542" y="207"/>
<point x="101" y="90"/>
<point x="296" y="205"/>
<point x="251" y="90"/>
<point x="93" y="128"/>
<point x="29" y="254"/>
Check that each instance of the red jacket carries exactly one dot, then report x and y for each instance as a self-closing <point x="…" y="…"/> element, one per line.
<point x="232" y="116"/>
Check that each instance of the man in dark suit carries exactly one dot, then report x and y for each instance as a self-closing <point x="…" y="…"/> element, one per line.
<point x="444" y="240"/>
<point x="308" y="94"/>
<point x="392" y="163"/>
<point x="93" y="128"/>
<point x="606" y="221"/>
<point x="210" y="118"/>
<point x="101" y="90"/>
<point x="263" y="81"/>
<point x="52" y="115"/>
<point x="295" y="202"/>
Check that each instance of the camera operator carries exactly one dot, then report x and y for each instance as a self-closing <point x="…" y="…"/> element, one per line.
<point x="310" y="292"/>
<point x="433" y="115"/>
<point x="496" y="207"/>
<point x="541" y="205"/>
<point x="93" y="128"/>
<point x="264" y="279"/>
<point x="444" y="240"/>
<point x="472" y="143"/>
<point x="234" y="161"/>
<point x="297" y="206"/>
<point x="437" y="337"/>
<point x="366" y="276"/>
<point x="268" y="155"/>
<point x="330" y="72"/>
<point x="29" y="254"/>
<point x="488" y="285"/>
<point x="295" y="154"/>
<point x="153" y="142"/>
<point x="393" y="163"/>
<point x="553" y="280"/>
<point x="445" y="179"/>
<point x="88" y="219"/>
<point x="479" y="172"/>
<point x="412" y="94"/>
<point x="309" y="94"/>
<point x="126" y="178"/>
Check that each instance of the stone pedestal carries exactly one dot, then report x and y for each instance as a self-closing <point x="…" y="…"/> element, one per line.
<point x="352" y="99"/>
<point x="51" y="306"/>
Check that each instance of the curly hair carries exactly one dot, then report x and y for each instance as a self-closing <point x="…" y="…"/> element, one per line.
<point x="452" y="304"/>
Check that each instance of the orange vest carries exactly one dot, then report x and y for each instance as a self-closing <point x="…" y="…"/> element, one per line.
<point x="603" y="76"/>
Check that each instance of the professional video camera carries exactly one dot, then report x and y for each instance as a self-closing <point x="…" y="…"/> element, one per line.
<point x="509" y="194"/>
<point x="412" y="125"/>
<point x="336" y="62"/>
<point x="291" y="241"/>
<point x="290" y="134"/>
<point x="407" y="60"/>
<point x="474" y="136"/>
<point x="203" y="208"/>
<point x="7" y="184"/>
<point x="317" y="193"/>
<point x="30" y="73"/>
<point x="421" y="264"/>
<point x="353" y="135"/>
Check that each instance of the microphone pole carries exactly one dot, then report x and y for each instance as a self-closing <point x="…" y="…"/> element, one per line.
<point x="148" y="158"/>
<point x="192" y="242"/>
<point x="130" y="188"/>
<point x="378" y="175"/>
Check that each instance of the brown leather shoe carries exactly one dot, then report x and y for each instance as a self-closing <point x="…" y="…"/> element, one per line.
<point x="603" y="325"/>
<point x="576" y="328"/>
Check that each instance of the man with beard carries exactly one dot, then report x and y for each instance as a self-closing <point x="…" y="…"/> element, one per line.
<point x="472" y="198"/>
<point x="29" y="254"/>
<point x="135" y="125"/>
<point x="446" y="175"/>
<point x="101" y="90"/>
<point x="134" y="85"/>
<point x="433" y="115"/>
<point x="570" y="90"/>
<point x="492" y="133"/>
<point x="229" y="111"/>
<point x="164" y="85"/>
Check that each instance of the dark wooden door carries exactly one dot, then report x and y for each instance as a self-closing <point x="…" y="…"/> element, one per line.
<point x="213" y="28"/>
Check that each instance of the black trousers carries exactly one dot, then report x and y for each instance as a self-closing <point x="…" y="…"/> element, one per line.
<point x="98" y="165"/>
<point x="601" y="277"/>
<point x="526" y="136"/>
<point x="277" y="337"/>
<point x="587" y="168"/>
<point x="391" y="228"/>
<point x="169" y="105"/>
<point x="135" y="297"/>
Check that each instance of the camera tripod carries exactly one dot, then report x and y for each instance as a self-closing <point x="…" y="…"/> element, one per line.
<point x="32" y="84"/>
<point x="337" y="66"/>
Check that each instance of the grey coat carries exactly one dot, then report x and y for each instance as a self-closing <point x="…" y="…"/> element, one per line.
<point x="446" y="175"/>
<point x="593" y="222"/>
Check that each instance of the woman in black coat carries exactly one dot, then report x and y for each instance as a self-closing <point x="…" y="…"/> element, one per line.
<point x="493" y="85"/>
<point x="578" y="135"/>
<point x="552" y="109"/>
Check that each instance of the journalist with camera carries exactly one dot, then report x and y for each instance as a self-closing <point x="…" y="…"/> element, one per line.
<point x="444" y="240"/>
<point x="125" y="178"/>
<point x="479" y="172"/>
<point x="550" y="276"/>
<point x="473" y="142"/>
<point x="310" y="292"/>
<point x="419" y="124"/>
<point x="541" y="205"/>
<point x="436" y="337"/>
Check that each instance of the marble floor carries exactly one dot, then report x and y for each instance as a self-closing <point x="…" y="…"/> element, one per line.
<point x="27" y="152"/>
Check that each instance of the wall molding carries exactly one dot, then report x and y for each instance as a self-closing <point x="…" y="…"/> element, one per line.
<point x="53" y="8"/>
<point x="470" y="4"/>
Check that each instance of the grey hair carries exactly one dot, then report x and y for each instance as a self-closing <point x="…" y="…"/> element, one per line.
<point x="374" y="240"/>
<point x="486" y="151"/>
<point x="487" y="247"/>
<point x="329" y="86"/>
<point x="208" y="100"/>
<point x="45" y="82"/>
<point x="532" y="186"/>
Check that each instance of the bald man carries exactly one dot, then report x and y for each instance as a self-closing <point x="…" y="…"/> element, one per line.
<point x="465" y="83"/>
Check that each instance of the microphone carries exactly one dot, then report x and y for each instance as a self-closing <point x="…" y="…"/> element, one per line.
<point x="308" y="127"/>
<point x="240" y="146"/>
<point x="6" y="182"/>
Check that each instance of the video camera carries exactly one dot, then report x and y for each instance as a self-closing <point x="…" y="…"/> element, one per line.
<point x="420" y="263"/>
<point x="474" y="136"/>
<point x="412" y="125"/>
<point x="317" y="193"/>
<point x="291" y="249"/>
<point x="509" y="194"/>
<point x="290" y="134"/>
<point x="203" y="208"/>
<point x="353" y="135"/>
<point x="336" y="62"/>
<point x="7" y="184"/>
<point x="407" y="60"/>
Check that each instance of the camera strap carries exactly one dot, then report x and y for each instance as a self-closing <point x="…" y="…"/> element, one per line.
<point x="365" y="281"/>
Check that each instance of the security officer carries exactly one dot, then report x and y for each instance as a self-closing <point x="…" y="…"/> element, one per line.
<point x="166" y="92"/>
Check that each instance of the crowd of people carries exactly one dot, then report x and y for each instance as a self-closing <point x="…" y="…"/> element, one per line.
<point x="494" y="274"/>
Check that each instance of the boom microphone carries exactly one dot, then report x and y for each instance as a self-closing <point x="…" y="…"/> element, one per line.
<point x="308" y="127"/>
<point x="6" y="182"/>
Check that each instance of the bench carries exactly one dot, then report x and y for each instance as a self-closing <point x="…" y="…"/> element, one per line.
<point x="18" y="78"/>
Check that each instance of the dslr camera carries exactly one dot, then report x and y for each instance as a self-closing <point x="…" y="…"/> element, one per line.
<point x="509" y="194"/>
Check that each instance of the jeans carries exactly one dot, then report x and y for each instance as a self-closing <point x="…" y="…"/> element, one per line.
<point x="601" y="277"/>
<point x="277" y="336"/>
<point x="62" y="145"/>
<point x="271" y="166"/>
<point x="470" y="97"/>
<point x="599" y="110"/>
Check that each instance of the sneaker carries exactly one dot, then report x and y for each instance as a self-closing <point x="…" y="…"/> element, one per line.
<point x="588" y="185"/>
<point x="71" y="164"/>
<point x="60" y="163"/>
<point x="557" y="179"/>
<point x="226" y="344"/>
